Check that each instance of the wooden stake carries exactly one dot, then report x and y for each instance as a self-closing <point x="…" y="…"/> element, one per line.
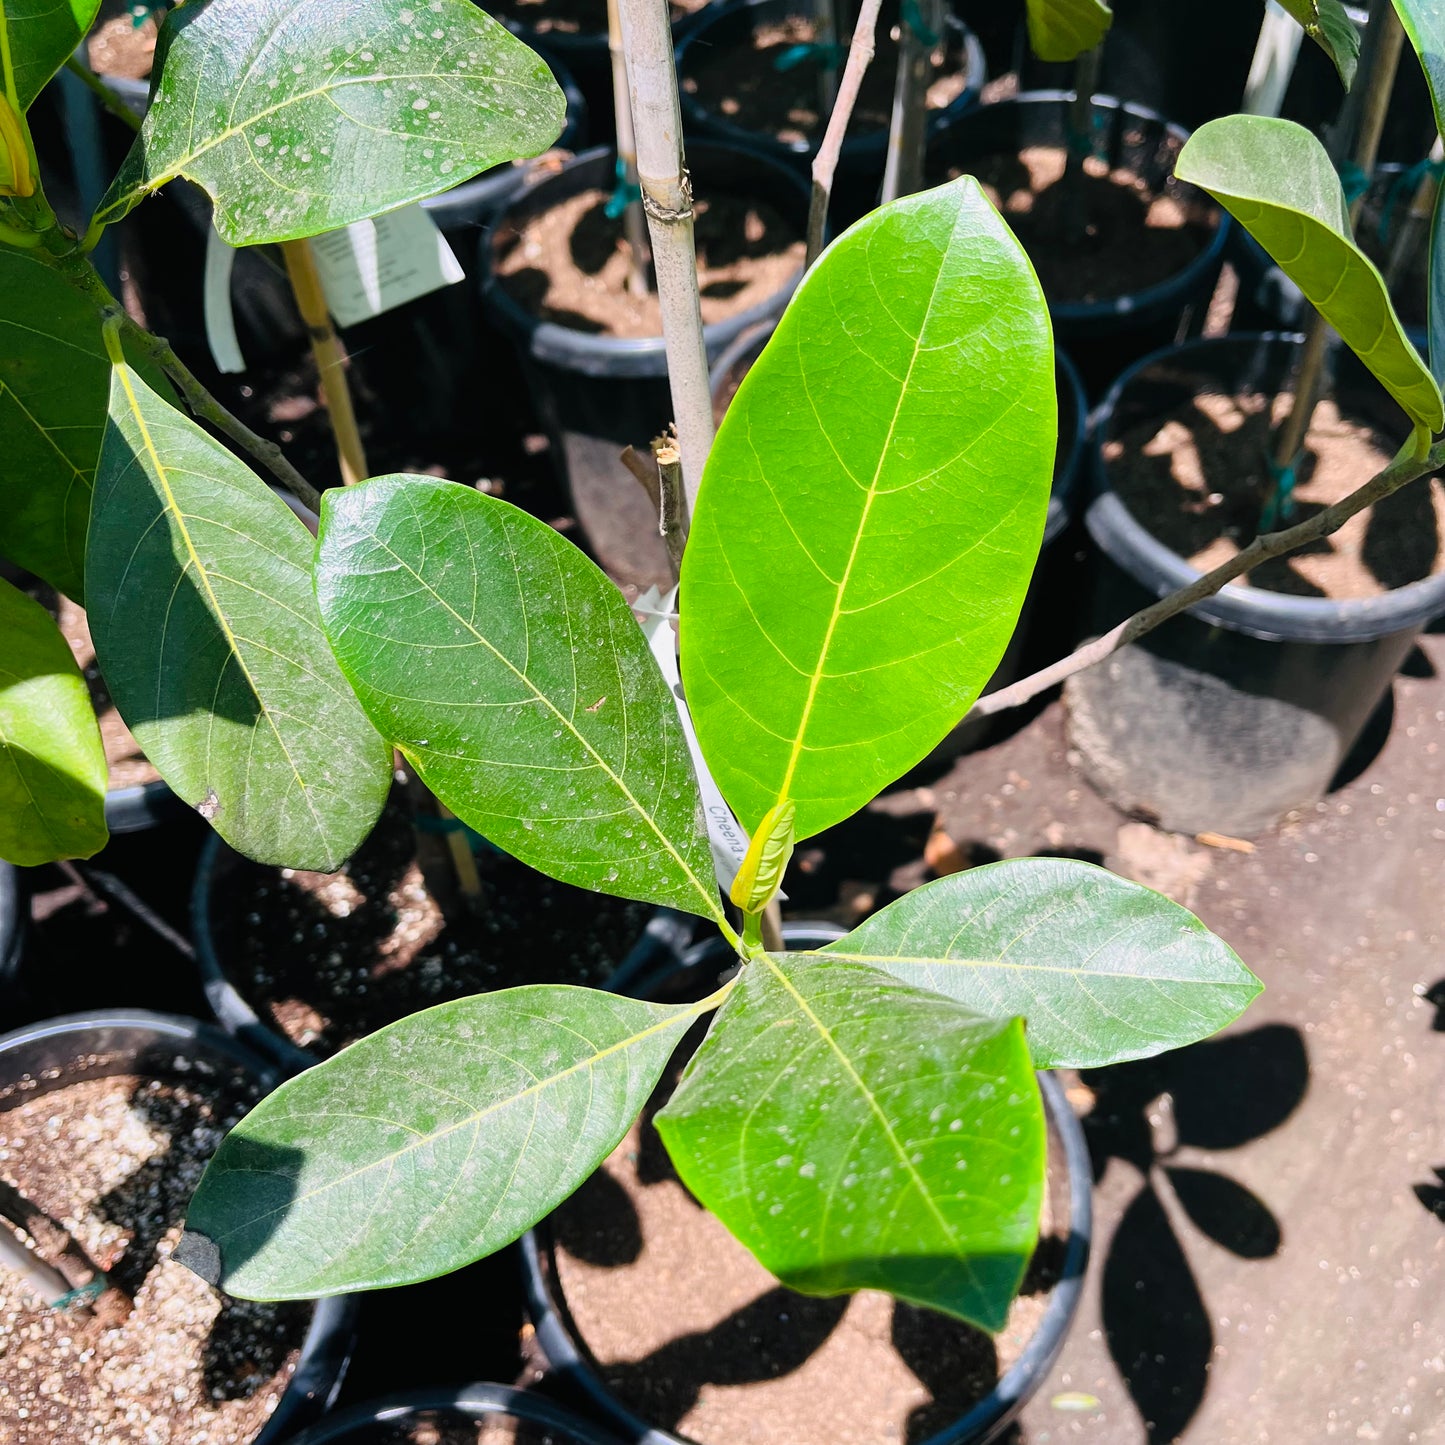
<point x="330" y="357"/>
<point x="634" y="223"/>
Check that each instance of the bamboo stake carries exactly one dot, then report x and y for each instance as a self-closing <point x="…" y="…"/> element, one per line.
<point x="1387" y="35"/>
<point x="1417" y="219"/>
<point x="667" y="200"/>
<point x="634" y="224"/>
<point x="825" y="37"/>
<point x="907" y="126"/>
<point x="330" y="357"/>
<point x="825" y="163"/>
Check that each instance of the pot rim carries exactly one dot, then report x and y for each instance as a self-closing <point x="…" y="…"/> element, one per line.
<point x="331" y="1335"/>
<point x="987" y="1417"/>
<point x="1268" y="616"/>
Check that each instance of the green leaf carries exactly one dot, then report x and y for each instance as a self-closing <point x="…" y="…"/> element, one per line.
<point x="857" y="1133"/>
<point x="36" y="38"/>
<point x="205" y="627"/>
<point x="299" y="119"/>
<point x="1276" y="179"/>
<point x="52" y="764"/>
<point x="1100" y="969"/>
<point x="54" y="380"/>
<point x="432" y="1142"/>
<point x="1064" y="29"/>
<point x="510" y="672"/>
<point x="1327" y="23"/>
<point x="871" y="511"/>
<point x="1425" y="25"/>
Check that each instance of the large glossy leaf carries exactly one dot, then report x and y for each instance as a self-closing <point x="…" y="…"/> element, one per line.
<point x="509" y="670"/>
<point x="1100" y="969"/>
<point x="36" y="36"/>
<point x="871" y="511"/>
<point x="205" y="626"/>
<point x="1276" y="179"/>
<point x="857" y="1133"/>
<point x="1064" y="29"/>
<point x="300" y="118"/>
<point x="432" y="1142"/>
<point x="1424" y="22"/>
<point x="52" y="764"/>
<point x="1330" y="27"/>
<point x="54" y="380"/>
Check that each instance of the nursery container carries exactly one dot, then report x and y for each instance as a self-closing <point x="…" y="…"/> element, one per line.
<point x="595" y="392"/>
<point x="567" y="1352"/>
<point x="1227" y="717"/>
<point x="1102" y="336"/>
<point x="111" y="1042"/>
<point x="382" y="1422"/>
<point x="726" y="29"/>
<point x="14" y="924"/>
<point x="733" y="365"/>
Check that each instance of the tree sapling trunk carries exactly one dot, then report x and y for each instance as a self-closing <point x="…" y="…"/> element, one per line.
<point x="1080" y="144"/>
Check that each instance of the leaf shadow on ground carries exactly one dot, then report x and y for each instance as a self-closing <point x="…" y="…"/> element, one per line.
<point x="1432" y="1195"/>
<point x="1218" y="1095"/>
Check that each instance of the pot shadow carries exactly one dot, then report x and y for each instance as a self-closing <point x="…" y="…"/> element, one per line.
<point x="1217" y="1095"/>
<point x="247" y="1343"/>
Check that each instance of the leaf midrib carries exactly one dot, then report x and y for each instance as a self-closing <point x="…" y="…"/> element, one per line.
<point x="714" y="909"/>
<point x="874" y="959"/>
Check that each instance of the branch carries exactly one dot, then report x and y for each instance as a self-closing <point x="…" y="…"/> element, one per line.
<point x="1405" y="468"/>
<point x="825" y="163"/>
<point x="672" y="510"/>
<point x="104" y="94"/>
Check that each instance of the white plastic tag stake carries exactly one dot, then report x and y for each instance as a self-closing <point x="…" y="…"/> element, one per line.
<point x="372" y="266"/>
<point x="1274" y="61"/>
<point x="724" y="832"/>
<point x="216" y="306"/>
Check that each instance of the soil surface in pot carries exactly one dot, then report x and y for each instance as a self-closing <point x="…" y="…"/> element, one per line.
<point x="122" y="41"/>
<point x="696" y="1336"/>
<point x="115" y="1161"/>
<point x="744" y="85"/>
<point x="126" y="765"/>
<point x="571" y="17"/>
<point x="570" y="263"/>
<point x="329" y="957"/>
<point x="1134" y="237"/>
<point x="494" y="1430"/>
<point x="1197" y="477"/>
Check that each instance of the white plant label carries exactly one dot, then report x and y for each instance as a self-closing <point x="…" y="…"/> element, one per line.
<point x="373" y="266"/>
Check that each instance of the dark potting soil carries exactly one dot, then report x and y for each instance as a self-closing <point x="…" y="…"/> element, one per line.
<point x="122" y="41"/>
<point x="1133" y="237"/>
<point x="1197" y="477"/>
<point x="115" y="1161"/>
<point x="570" y="263"/>
<point x="742" y="84"/>
<point x="329" y="957"/>
<point x="571" y="17"/>
<point x="697" y="1337"/>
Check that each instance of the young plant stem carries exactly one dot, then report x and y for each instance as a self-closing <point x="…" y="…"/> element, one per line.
<point x="109" y="100"/>
<point x="330" y="358"/>
<point x="634" y="223"/>
<point x="667" y="200"/>
<point x="903" y="165"/>
<point x="1405" y="468"/>
<point x="1388" y="35"/>
<point x="671" y="504"/>
<point x="1080" y="143"/>
<point x="825" y="163"/>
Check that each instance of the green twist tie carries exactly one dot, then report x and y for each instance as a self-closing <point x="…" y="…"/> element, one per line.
<point x="426" y="823"/>
<point x="623" y="194"/>
<point x="829" y="56"/>
<point x="1354" y="181"/>
<point x="1280" y="506"/>
<point x="913" y="19"/>
<point x="87" y="1294"/>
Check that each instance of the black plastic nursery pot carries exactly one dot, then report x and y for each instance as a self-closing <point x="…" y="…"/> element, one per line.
<point x="729" y="29"/>
<point x="594" y="392"/>
<point x="535" y="1419"/>
<point x="1228" y="717"/>
<point x="111" y="1042"/>
<point x="1064" y="500"/>
<point x="567" y="1352"/>
<point x="1101" y="336"/>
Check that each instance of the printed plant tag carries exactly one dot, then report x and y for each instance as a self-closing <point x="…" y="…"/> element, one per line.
<point x="373" y="266"/>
